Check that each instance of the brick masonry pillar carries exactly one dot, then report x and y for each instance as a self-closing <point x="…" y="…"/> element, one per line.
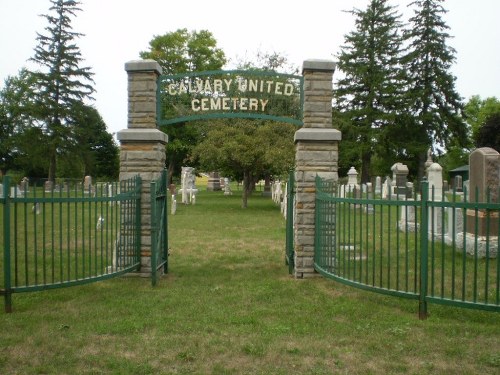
<point x="316" y="153"/>
<point x="142" y="145"/>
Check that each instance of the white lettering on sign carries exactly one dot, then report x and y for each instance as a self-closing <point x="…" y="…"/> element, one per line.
<point x="230" y="94"/>
<point x="227" y="104"/>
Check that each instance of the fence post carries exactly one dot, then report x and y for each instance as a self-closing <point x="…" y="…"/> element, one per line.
<point x="154" y="234"/>
<point x="6" y="239"/>
<point x="290" y="196"/>
<point x="424" y="242"/>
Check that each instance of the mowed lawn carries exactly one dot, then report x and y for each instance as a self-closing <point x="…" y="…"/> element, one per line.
<point x="229" y="306"/>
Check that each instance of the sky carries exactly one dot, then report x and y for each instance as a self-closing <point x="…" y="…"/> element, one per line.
<point x="115" y="31"/>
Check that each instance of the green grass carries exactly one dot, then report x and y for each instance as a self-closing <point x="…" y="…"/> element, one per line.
<point x="228" y="306"/>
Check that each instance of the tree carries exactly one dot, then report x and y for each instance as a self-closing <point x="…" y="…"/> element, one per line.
<point x="97" y="150"/>
<point x="20" y="147"/>
<point x="433" y="100"/>
<point x="489" y="133"/>
<point x="247" y="150"/>
<point x="477" y="111"/>
<point x="367" y="96"/>
<point x="62" y="84"/>
<point x="180" y="52"/>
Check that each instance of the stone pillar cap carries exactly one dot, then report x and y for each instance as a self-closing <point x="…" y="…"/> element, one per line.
<point x="317" y="134"/>
<point x="319" y="65"/>
<point x="143" y="66"/>
<point x="142" y="135"/>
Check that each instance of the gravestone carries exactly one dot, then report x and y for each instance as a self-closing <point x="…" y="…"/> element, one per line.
<point x="87" y="184"/>
<point x="352" y="177"/>
<point x="48" y="186"/>
<point x="378" y="185"/>
<point x="458" y="184"/>
<point x="484" y="180"/>
<point x="213" y="183"/>
<point x="435" y="178"/>
<point x="400" y="178"/>
<point x="188" y="188"/>
<point x="24" y="184"/>
<point x="387" y="188"/>
<point x="227" y="187"/>
<point x="429" y="161"/>
<point x="173" y="205"/>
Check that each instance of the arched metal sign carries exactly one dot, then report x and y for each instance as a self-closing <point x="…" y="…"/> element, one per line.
<point x="230" y="94"/>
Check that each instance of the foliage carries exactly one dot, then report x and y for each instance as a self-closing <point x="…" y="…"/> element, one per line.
<point x="16" y="113"/>
<point x="45" y="120"/>
<point x="368" y="95"/>
<point x="247" y="150"/>
<point x="489" y="133"/>
<point x="62" y="83"/>
<point x="95" y="146"/>
<point x="435" y="104"/>
<point x="180" y="52"/>
<point x="477" y="112"/>
<point x="397" y="97"/>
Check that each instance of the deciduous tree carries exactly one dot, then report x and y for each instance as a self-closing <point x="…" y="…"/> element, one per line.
<point x="178" y="52"/>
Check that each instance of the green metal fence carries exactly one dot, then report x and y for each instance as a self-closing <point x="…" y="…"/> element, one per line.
<point x="419" y="247"/>
<point x="67" y="235"/>
<point x="159" y="227"/>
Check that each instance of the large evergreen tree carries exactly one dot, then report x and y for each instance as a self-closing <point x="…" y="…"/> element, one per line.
<point x="61" y="83"/>
<point x="434" y="102"/>
<point x="367" y="95"/>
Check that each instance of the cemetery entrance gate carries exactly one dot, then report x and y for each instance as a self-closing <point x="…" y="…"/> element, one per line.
<point x="303" y="100"/>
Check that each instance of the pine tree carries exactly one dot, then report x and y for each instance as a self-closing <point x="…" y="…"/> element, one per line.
<point x="62" y="83"/>
<point x="433" y="100"/>
<point x="367" y="97"/>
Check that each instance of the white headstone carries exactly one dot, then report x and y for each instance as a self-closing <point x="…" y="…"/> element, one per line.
<point x="435" y="178"/>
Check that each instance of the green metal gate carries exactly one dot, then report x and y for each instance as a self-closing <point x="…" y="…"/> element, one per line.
<point x="67" y="235"/>
<point x="159" y="227"/>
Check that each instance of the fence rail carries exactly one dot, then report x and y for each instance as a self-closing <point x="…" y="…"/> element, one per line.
<point x="431" y="250"/>
<point x="68" y="235"/>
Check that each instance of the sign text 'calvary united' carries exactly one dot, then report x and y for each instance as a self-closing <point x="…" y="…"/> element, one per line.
<point x="243" y="94"/>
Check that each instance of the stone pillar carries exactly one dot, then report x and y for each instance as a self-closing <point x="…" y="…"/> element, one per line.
<point x="316" y="147"/>
<point x="142" y="145"/>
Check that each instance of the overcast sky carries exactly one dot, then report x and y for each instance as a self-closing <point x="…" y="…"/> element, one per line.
<point x="116" y="31"/>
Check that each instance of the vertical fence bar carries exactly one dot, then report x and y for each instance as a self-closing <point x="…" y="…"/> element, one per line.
<point x="6" y="241"/>
<point x="289" y="222"/>
<point x="164" y="229"/>
<point x="424" y="238"/>
<point x="154" y="234"/>
<point x="137" y="204"/>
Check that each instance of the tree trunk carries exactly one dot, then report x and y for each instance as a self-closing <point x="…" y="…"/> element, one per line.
<point x="170" y="170"/>
<point x="366" y="158"/>
<point x="247" y="188"/>
<point x="52" y="166"/>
